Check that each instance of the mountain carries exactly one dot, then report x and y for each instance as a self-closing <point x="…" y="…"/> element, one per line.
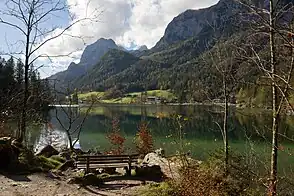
<point x="113" y="62"/>
<point x="186" y="37"/>
<point x="192" y="23"/>
<point x="142" y="48"/>
<point x="95" y="51"/>
<point x="185" y="59"/>
<point x="91" y="55"/>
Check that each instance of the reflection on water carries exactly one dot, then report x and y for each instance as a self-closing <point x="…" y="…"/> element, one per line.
<point x="247" y="129"/>
<point x="50" y="136"/>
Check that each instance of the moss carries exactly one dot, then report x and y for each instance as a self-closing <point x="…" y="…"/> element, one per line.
<point x="58" y="158"/>
<point x="48" y="163"/>
<point x="104" y="175"/>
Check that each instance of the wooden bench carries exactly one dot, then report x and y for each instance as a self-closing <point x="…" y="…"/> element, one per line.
<point x="88" y="162"/>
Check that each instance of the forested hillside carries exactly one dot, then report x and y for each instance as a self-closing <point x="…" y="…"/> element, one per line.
<point x="196" y="45"/>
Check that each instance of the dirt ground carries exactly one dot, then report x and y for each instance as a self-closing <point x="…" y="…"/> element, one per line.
<point x="41" y="185"/>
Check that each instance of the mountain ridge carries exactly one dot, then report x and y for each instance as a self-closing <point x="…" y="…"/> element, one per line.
<point x="181" y="59"/>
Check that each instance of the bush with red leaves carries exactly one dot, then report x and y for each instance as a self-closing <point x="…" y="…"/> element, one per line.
<point x="144" y="140"/>
<point x="116" y="139"/>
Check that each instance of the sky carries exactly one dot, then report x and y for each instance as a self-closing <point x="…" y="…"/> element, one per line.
<point x="130" y="23"/>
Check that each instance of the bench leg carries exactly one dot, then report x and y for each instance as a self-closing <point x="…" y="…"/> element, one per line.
<point x="129" y="171"/>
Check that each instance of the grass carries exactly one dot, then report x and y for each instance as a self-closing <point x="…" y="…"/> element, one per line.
<point x="87" y="96"/>
<point x="127" y="98"/>
<point x="166" y="94"/>
<point x="123" y="100"/>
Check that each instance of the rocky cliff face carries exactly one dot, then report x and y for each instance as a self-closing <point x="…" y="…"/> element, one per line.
<point x="95" y="51"/>
<point x="91" y="56"/>
<point x="192" y="23"/>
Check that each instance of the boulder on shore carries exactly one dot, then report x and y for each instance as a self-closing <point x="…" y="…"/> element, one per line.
<point x="150" y="172"/>
<point x="154" y="160"/>
<point x="48" y="151"/>
<point x="68" y="164"/>
<point x="8" y="153"/>
<point x="160" y="152"/>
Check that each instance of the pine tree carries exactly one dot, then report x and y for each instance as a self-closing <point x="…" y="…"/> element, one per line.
<point x="9" y="73"/>
<point x="19" y="72"/>
<point x="75" y="97"/>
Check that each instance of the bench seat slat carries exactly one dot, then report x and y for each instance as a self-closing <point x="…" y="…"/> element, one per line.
<point x="106" y="159"/>
<point x="109" y="156"/>
<point x="95" y="166"/>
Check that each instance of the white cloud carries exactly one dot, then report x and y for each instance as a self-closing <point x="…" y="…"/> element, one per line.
<point x="128" y="22"/>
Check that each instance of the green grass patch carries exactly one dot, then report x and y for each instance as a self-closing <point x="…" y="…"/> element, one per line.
<point x="89" y="95"/>
<point x="156" y="189"/>
<point x="127" y="98"/>
<point x="166" y="94"/>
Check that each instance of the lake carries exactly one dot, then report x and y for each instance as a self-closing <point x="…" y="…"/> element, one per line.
<point x="249" y="130"/>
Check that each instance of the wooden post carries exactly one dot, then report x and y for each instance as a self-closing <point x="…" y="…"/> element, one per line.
<point x="88" y="165"/>
<point x="129" y="171"/>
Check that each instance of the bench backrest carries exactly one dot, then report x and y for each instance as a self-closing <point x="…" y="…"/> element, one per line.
<point x="105" y="160"/>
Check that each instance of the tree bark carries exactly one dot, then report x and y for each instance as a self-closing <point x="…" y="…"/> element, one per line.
<point x="275" y="117"/>
<point x="23" y="125"/>
<point x="225" y="126"/>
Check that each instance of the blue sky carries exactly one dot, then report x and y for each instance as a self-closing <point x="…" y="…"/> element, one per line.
<point x="130" y="23"/>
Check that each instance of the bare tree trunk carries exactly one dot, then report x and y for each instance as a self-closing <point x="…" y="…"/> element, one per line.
<point x="71" y="146"/>
<point x="225" y="126"/>
<point x="26" y="89"/>
<point x="275" y="125"/>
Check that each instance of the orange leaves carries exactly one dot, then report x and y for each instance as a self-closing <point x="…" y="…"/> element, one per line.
<point x="116" y="139"/>
<point x="144" y="140"/>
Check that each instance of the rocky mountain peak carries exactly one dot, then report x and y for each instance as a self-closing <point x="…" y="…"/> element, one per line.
<point x="193" y="22"/>
<point x="142" y="48"/>
<point x="95" y="51"/>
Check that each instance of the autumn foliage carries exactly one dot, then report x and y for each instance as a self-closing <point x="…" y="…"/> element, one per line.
<point x="144" y="140"/>
<point x="116" y="139"/>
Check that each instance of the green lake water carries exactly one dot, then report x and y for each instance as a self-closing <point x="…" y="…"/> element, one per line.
<point x="249" y="130"/>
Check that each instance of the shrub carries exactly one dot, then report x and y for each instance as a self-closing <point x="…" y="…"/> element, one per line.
<point x="210" y="179"/>
<point x="143" y="139"/>
<point x="116" y="139"/>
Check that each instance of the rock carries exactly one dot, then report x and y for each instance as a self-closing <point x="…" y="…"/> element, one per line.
<point x="8" y="155"/>
<point x="48" y="151"/>
<point x="68" y="164"/>
<point x="50" y="174"/>
<point x="66" y="155"/>
<point x="160" y="152"/>
<point x="91" y="179"/>
<point x="14" y="184"/>
<point x="192" y="23"/>
<point x="153" y="159"/>
<point x="72" y="181"/>
<point x="150" y="172"/>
